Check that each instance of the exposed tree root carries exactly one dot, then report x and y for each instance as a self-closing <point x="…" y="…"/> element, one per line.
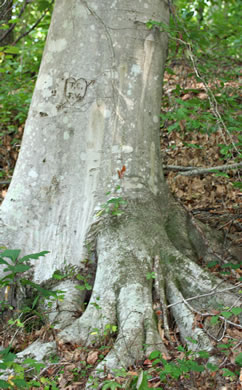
<point x="142" y="267"/>
<point x="122" y="296"/>
<point x="125" y="297"/>
<point x="185" y="320"/>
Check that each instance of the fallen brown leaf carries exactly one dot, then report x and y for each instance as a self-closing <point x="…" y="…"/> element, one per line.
<point x="92" y="357"/>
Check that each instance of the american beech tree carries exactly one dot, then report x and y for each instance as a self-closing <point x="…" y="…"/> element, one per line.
<point x="89" y="187"/>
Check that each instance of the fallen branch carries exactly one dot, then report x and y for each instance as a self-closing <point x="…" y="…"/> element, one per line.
<point x="212" y="292"/>
<point x="196" y="171"/>
<point x="208" y="314"/>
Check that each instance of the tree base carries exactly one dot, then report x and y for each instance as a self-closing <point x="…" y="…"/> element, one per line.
<point x="140" y="270"/>
<point x="146" y="274"/>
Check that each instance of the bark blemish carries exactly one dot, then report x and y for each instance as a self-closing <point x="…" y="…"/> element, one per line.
<point x="149" y="48"/>
<point x="45" y="81"/>
<point x="58" y="45"/>
<point x="127" y="149"/>
<point x="32" y="173"/>
<point x="96" y="126"/>
<point x="152" y="178"/>
<point x="135" y="70"/>
<point x="66" y="136"/>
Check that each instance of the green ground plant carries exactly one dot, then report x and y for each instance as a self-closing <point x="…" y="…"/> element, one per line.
<point x="114" y="205"/>
<point x="27" y="373"/>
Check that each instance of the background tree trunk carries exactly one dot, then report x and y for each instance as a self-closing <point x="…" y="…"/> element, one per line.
<point x="5" y="16"/>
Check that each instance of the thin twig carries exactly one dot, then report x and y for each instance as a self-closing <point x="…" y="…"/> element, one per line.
<point x="224" y="325"/>
<point x="208" y="314"/>
<point x="223" y="362"/>
<point x="206" y="294"/>
<point x="46" y="368"/>
<point x="195" y="171"/>
<point x="236" y="345"/>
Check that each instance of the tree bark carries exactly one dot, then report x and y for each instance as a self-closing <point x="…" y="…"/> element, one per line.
<point x="95" y="108"/>
<point x="5" y="17"/>
<point x="93" y="127"/>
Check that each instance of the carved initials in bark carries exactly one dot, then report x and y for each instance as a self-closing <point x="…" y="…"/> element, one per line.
<point x="74" y="91"/>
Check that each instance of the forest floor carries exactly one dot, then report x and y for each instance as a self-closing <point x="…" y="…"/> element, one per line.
<point x="210" y="197"/>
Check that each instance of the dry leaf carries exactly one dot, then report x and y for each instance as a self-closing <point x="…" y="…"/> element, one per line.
<point x="92" y="357"/>
<point x="147" y="362"/>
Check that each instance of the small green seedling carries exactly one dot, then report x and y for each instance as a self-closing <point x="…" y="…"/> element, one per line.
<point x="113" y="205"/>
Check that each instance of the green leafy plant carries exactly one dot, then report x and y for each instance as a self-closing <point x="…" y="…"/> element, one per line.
<point x="111" y="385"/>
<point x="85" y="285"/>
<point x="183" y="367"/>
<point x="141" y="381"/>
<point x="15" y="268"/>
<point x="69" y="271"/>
<point x="27" y="316"/>
<point x="150" y="275"/>
<point x="16" y="374"/>
<point x="114" y="205"/>
<point x="104" y="336"/>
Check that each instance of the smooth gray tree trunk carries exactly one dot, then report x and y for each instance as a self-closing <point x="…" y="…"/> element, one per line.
<point x="95" y="111"/>
<point x="95" y="108"/>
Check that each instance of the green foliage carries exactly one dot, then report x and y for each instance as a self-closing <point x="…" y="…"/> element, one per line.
<point x="224" y="269"/>
<point x="72" y="272"/>
<point x="182" y="367"/>
<point x="238" y="359"/>
<point x="85" y="285"/>
<point x="15" y="269"/>
<point x="111" y="385"/>
<point x="167" y="370"/>
<point x="17" y="371"/>
<point x="141" y="382"/>
<point x="114" y="205"/>
<point x="104" y="336"/>
<point x="15" y="266"/>
<point x="19" y="63"/>
<point x="179" y="368"/>
<point x="150" y="275"/>
<point x="204" y="37"/>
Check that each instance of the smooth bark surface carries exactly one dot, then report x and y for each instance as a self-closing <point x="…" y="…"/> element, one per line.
<point x="95" y="108"/>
